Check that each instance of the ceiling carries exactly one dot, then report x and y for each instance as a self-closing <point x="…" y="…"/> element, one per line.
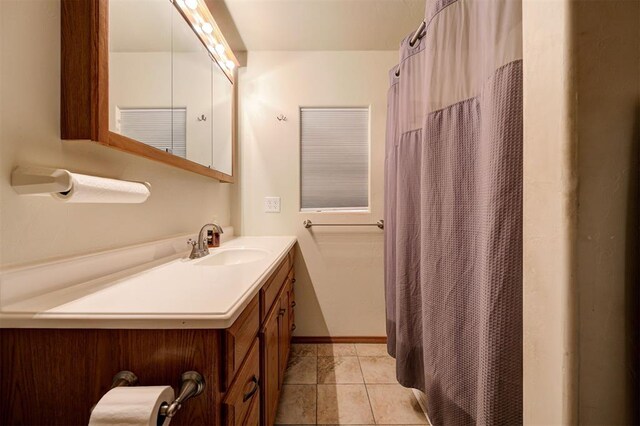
<point x="248" y="25"/>
<point x="149" y="26"/>
<point x="316" y="24"/>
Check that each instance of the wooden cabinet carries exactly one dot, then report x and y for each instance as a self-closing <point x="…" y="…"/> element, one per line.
<point x="243" y="365"/>
<point x="276" y="341"/>
<point x="244" y="391"/>
<point x="285" y="331"/>
<point x="269" y="337"/>
<point x="274" y="314"/>
<point x="238" y="340"/>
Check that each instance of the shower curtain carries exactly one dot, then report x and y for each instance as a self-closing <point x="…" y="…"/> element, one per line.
<point x="453" y="212"/>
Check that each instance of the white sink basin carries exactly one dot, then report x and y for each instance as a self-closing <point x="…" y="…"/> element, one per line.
<point x="232" y="256"/>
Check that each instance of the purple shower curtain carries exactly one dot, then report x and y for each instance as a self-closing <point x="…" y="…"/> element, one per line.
<point x="453" y="212"/>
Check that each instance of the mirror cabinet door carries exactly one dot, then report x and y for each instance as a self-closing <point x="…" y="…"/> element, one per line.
<point x="140" y="68"/>
<point x="165" y="88"/>
<point x="192" y="95"/>
<point x="222" y="121"/>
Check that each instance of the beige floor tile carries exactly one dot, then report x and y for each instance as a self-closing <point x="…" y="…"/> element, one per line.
<point x="394" y="404"/>
<point x="337" y="349"/>
<point x="343" y="404"/>
<point x="371" y="349"/>
<point x="304" y="349"/>
<point x="378" y="369"/>
<point x="297" y="405"/>
<point x="302" y="370"/>
<point x="339" y="369"/>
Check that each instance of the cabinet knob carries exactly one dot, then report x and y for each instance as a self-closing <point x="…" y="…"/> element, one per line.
<point x="282" y="311"/>
<point x="293" y="280"/>
<point x="293" y="327"/>
<point x="293" y="304"/>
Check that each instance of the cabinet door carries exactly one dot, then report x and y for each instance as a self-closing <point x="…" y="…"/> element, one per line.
<point x="285" y="328"/>
<point x="292" y="303"/>
<point x="270" y="366"/>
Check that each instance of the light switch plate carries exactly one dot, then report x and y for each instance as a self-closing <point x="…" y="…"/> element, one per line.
<point x="272" y="204"/>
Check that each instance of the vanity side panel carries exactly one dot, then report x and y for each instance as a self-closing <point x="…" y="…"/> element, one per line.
<point x="54" y="377"/>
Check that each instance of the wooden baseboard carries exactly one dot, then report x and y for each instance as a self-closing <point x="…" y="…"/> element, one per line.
<point x="339" y="339"/>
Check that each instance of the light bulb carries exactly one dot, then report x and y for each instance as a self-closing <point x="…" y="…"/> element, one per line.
<point x="198" y="18"/>
<point x="220" y="49"/>
<point x="207" y="28"/>
<point x="181" y="4"/>
<point x="230" y="64"/>
<point x="191" y="4"/>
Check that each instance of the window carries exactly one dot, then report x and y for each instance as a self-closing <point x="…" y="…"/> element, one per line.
<point x="334" y="159"/>
<point x="162" y="128"/>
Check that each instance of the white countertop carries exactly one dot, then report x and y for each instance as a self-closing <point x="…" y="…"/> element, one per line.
<point x="172" y="292"/>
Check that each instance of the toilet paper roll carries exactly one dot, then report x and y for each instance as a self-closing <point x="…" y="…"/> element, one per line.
<point x="93" y="189"/>
<point x="131" y="406"/>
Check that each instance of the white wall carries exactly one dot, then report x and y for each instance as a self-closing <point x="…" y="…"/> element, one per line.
<point x="548" y="216"/>
<point x="38" y="228"/>
<point x="339" y="270"/>
<point x="581" y="103"/>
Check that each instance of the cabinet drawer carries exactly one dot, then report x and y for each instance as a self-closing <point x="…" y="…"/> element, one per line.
<point x="253" y="417"/>
<point x="239" y="338"/>
<point x="244" y="391"/>
<point x="270" y="290"/>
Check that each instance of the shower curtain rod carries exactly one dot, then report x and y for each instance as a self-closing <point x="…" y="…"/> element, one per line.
<point x="417" y="35"/>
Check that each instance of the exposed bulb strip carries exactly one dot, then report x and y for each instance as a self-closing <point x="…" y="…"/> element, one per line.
<point x="200" y="19"/>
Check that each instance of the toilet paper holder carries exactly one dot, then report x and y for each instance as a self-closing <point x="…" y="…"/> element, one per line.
<point x="192" y="385"/>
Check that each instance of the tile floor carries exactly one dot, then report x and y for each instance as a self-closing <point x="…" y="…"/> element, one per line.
<point x="345" y="384"/>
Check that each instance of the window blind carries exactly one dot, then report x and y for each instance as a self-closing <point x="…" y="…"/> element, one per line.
<point x="334" y="158"/>
<point x="162" y="128"/>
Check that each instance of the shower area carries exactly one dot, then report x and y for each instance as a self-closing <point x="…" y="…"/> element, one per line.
<point x="453" y="212"/>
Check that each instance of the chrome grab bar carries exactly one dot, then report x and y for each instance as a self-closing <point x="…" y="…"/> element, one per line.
<point x="308" y="224"/>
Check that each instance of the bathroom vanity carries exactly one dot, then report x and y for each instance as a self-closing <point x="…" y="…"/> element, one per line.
<point x="228" y="315"/>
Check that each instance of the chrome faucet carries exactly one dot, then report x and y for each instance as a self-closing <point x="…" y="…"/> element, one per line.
<point x="199" y="248"/>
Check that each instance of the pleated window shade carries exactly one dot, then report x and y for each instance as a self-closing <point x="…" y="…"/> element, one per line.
<point x="162" y="128"/>
<point x="334" y="159"/>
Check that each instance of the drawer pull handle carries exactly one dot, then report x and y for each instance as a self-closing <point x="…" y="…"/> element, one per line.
<point x="293" y="304"/>
<point x="247" y="396"/>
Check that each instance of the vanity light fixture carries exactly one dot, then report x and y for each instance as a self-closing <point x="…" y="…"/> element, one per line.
<point x="199" y="17"/>
<point x="207" y="28"/>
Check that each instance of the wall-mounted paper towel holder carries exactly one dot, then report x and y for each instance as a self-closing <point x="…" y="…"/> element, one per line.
<point x="192" y="385"/>
<point x="30" y="180"/>
<point x="33" y="180"/>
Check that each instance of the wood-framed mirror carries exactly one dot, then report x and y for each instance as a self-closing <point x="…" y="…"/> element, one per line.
<point x="153" y="78"/>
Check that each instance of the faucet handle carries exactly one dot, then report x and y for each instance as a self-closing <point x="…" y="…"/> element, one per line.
<point x="191" y="242"/>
